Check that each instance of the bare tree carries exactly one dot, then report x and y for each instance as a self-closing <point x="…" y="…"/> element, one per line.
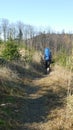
<point x="29" y="34"/>
<point x="20" y="31"/>
<point x="4" y="26"/>
<point x="11" y="31"/>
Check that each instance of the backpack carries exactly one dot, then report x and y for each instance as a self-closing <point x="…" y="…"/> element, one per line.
<point x="47" y="54"/>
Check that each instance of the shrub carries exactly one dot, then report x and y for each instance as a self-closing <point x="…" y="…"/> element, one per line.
<point x="11" y="51"/>
<point x="61" y="58"/>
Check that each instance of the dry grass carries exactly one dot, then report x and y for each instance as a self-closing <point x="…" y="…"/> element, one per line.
<point x="36" y="57"/>
<point x="54" y="110"/>
<point x="1" y="48"/>
<point x="7" y="73"/>
<point x="58" y="82"/>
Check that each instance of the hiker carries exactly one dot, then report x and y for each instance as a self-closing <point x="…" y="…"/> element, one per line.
<point x="47" y="58"/>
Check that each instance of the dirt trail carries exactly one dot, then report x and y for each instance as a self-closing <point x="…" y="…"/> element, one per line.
<point x="44" y="105"/>
<point x="40" y="101"/>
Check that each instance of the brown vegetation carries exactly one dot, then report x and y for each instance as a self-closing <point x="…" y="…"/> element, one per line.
<point x="32" y="101"/>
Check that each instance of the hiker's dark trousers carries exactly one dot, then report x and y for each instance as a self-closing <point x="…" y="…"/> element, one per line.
<point x="47" y="64"/>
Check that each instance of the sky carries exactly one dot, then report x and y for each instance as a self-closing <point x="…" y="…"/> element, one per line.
<point x="56" y="15"/>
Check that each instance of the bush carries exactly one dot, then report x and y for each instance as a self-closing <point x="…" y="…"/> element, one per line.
<point x="65" y="59"/>
<point x="61" y="58"/>
<point x="11" y="51"/>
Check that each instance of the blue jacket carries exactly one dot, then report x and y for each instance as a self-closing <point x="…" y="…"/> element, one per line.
<point x="47" y="54"/>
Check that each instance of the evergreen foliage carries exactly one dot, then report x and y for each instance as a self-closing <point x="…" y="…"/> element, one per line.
<point x="11" y="51"/>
